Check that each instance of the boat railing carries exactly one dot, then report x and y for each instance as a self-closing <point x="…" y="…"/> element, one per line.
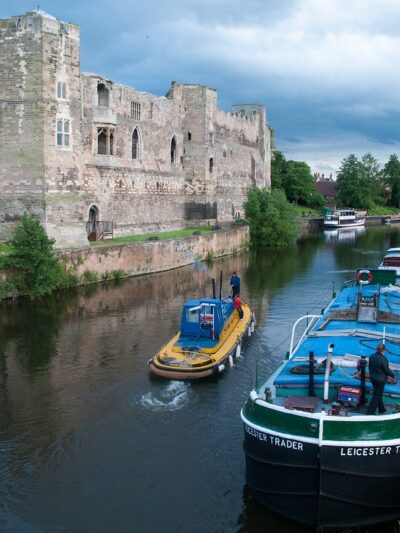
<point x="312" y="319"/>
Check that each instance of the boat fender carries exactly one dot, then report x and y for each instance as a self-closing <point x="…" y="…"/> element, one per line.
<point x="221" y="368"/>
<point x="252" y="326"/>
<point x="361" y="279"/>
<point x="249" y="331"/>
<point x="230" y="360"/>
<point x="238" y="350"/>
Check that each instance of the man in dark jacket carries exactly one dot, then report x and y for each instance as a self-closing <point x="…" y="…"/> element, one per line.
<point x="235" y="284"/>
<point x="378" y="371"/>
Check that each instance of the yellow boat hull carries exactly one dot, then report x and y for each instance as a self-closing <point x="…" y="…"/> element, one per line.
<point x="174" y="363"/>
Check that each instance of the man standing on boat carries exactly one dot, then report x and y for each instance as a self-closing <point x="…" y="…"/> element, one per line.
<point x="235" y="284"/>
<point x="378" y="371"/>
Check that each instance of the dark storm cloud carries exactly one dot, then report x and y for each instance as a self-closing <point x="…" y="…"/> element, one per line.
<point x="324" y="69"/>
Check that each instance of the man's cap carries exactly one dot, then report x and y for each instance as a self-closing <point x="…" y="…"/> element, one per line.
<point x="381" y="347"/>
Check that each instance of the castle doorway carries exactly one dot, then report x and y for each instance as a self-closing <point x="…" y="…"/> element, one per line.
<point x="92" y="223"/>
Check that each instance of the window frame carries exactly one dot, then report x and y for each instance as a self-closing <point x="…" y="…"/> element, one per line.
<point x="63" y="133"/>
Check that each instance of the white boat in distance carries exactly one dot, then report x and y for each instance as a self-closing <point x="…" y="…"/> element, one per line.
<point x="391" y="261"/>
<point x="343" y="218"/>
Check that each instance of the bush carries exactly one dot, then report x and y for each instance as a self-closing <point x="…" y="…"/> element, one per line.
<point x="273" y="220"/>
<point x="34" y="267"/>
<point x="89" y="276"/>
<point x="209" y="257"/>
<point x="117" y="275"/>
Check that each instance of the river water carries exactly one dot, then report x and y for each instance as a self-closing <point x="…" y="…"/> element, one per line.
<point x="89" y="443"/>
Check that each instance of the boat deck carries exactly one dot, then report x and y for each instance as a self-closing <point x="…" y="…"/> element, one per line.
<point x="352" y="325"/>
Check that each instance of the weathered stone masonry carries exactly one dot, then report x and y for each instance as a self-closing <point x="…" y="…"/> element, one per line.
<point x="76" y="147"/>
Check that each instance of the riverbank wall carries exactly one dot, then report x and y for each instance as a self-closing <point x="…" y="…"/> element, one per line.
<point x="156" y="256"/>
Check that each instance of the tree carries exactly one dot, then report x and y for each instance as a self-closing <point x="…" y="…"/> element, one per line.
<point x="273" y="220"/>
<point x="278" y="170"/>
<point x="391" y="177"/>
<point x="35" y="268"/>
<point x="299" y="185"/>
<point x="359" y="183"/>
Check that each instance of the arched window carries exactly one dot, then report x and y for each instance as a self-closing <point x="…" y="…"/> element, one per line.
<point x="102" y="95"/>
<point x="102" y="142"/>
<point x="135" y="144"/>
<point x="211" y="165"/>
<point x="111" y="142"/>
<point x="61" y="90"/>
<point x="173" y="150"/>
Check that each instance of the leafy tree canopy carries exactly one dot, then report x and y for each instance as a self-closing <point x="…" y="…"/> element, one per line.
<point x="359" y="183"/>
<point x="391" y="177"/>
<point x="299" y="185"/>
<point x="278" y="170"/>
<point x="273" y="220"/>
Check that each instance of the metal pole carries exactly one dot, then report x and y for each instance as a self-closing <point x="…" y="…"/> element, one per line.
<point x="311" y="363"/>
<point x="363" y="365"/>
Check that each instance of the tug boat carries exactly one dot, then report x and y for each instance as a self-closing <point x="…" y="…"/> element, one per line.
<point x="391" y="261"/>
<point x="343" y="218"/>
<point x="312" y="453"/>
<point x="210" y="337"/>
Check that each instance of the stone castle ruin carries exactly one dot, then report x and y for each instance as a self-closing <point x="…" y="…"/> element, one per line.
<point x="87" y="156"/>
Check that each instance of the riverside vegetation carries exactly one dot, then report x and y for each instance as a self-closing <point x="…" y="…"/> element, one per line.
<point x="29" y="265"/>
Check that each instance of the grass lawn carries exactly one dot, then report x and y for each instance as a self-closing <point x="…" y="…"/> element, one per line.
<point x="303" y="211"/>
<point x="383" y="210"/>
<point x="162" y="236"/>
<point x="5" y="249"/>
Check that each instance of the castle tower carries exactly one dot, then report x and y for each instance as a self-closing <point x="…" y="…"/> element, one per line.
<point x="40" y="126"/>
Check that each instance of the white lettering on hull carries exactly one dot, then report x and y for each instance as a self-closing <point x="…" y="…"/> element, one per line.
<point x="273" y="440"/>
<point x="379" y="450"/>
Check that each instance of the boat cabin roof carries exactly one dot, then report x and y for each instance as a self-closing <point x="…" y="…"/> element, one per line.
<point x="205" y="317"/>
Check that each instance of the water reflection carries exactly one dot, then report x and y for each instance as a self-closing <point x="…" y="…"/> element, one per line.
<point x="89" y="443"/>
<point x="343" y="235"/>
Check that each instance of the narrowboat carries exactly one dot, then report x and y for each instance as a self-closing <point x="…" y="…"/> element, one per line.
<point x="209" y="339"/>
<point x="312" y="452"/>
<point x="343" y="218"/>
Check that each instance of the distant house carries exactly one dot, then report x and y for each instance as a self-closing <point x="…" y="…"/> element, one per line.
<point x="328" y="190"/>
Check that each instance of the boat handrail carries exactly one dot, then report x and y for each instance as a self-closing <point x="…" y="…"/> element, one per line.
<point x="367" y="333"/>
<point x="313" y="318"/>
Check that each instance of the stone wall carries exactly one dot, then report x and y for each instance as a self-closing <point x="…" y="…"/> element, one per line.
<point x="67" y="155"/>
<point x="157" y="256"/>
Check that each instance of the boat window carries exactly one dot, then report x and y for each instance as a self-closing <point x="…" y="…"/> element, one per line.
<point x="207" y="313"/>
<point x="192" y="315"/>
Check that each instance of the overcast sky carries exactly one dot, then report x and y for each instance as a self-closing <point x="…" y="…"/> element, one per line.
<point x="326" y="70"/>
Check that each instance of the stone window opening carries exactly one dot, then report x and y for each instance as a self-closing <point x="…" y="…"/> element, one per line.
<point x="211" y="165"/>
<point x="173" y="150"/>
<point x="135" y="110"/>
<point x="189" y="135"/>
<point x="61" y="90"/>
<point x="253" y="168"/>
<point x="135" y="144"/>
<point x="103" y="95"/>
<point x="151" y="110"/>
<point x="63" y="133"/>
<point x="105" y="141"/>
